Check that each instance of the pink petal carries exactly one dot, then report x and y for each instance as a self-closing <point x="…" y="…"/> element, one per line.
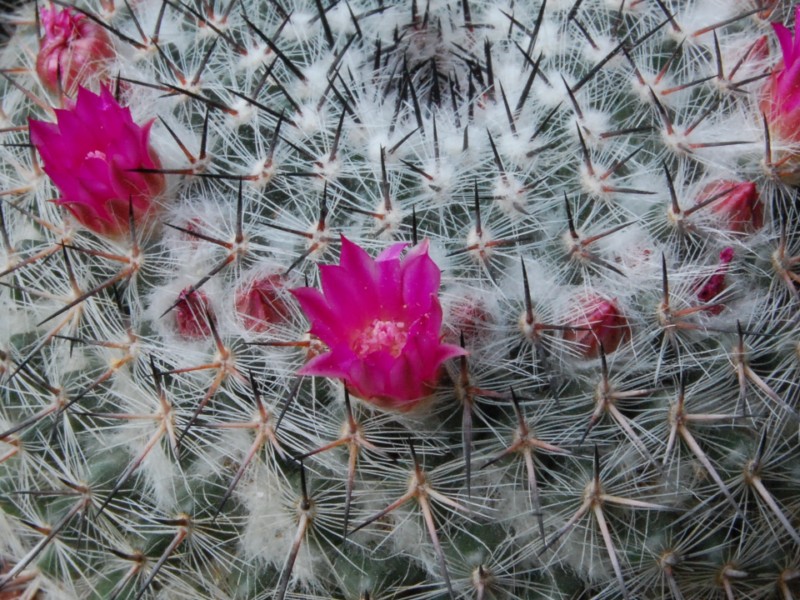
<point x="355" y="261"/>
<point x="96" y="187"/>
<point x="43" y="135"/>
<point x="329" y="364"/>
<point x="393" y="252"/>
<point x="87" y="106"/>
<point x="405" y="384"/>
<point x="421" y="279"/>
<point x="324" y="323"/>
<point x="428" y="323"/>
<point x="784" y="36"/>
<point x="348" y="296"/>
<point x="788" y="92"/>
<point x="419" y="352"/>
<point x="797" y="27"/>
<point x="389" y="299"/>
<point x="371" y="377"/>
<point x="427" y="354"/>
<point x="445" y="352"/>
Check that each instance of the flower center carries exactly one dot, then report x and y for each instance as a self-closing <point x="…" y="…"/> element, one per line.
<point x="389" y="336"/>
<point x="97" y="154"/>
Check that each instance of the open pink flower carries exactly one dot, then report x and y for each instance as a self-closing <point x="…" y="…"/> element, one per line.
<point x="92" y="154"/>
<point x="73" y="48"/>
<point x="381" y="320"/>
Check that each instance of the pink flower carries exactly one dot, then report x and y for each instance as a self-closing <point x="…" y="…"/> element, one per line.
<point x="73" y="48"/>
<point x="597" y="321"/>
<point x="780" y="101"/>
<point x="91" y="155"/>
<point x="381" y="320"/>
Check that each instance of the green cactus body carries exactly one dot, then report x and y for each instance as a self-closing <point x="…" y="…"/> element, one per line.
<point x="606" y="189"/>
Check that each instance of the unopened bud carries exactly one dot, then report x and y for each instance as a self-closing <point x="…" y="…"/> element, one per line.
<point x="597" y="321"/>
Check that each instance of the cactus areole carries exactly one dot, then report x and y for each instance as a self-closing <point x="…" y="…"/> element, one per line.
<point x="423" y="299"/>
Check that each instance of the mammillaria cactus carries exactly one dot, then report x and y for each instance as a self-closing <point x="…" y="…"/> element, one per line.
<point x="400" y="300"/>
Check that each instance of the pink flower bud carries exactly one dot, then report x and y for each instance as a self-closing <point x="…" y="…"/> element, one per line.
<point x="92" y="154"/>
<point x="72" y="50"/>
<point x="261" y="303"/>
<point x="715" y="285"/>
<point x="766" y="7"/>
<point x="596" y="321"/>
<point x="737" y="204"/>
<point x="469" y="316"/>
<point x="192" y="313"/>
<point x="780" y="101"/>
<point x="381" y="320"/>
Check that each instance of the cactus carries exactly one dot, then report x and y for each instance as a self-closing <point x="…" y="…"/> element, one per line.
<point x="610" y="409"/>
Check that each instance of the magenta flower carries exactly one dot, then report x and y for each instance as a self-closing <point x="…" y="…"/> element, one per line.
<point x="92" y="154"/>
<point x="780" y="100"/>
<point x="381" y="320"/>
<point x="73" y="48"/>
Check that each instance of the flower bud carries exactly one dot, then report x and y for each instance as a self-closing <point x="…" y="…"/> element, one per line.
<point x="470" y="316"/>
<point x="192" y="313"/>
<point x="736" y="203"/>
<point x="596" y="321"/>
<point x="261" y="303"/>
<point x="780" y="103"/>
<point x="715" y="285"/>
<point x="72" y="50"/>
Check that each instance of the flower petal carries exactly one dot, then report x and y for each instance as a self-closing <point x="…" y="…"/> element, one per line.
<point x="324" y="322"/>
<point x="390" y="302"/>
<point x="393" y="252"/>
<point x="784" y="36"/>
<point x="329" y="364"/>
<point x="421" y="278"/>
<point x="357" y="263"/>
<point x="347" y="296"/>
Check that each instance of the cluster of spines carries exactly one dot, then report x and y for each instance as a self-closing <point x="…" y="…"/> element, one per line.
<point x="580" y="172"/>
